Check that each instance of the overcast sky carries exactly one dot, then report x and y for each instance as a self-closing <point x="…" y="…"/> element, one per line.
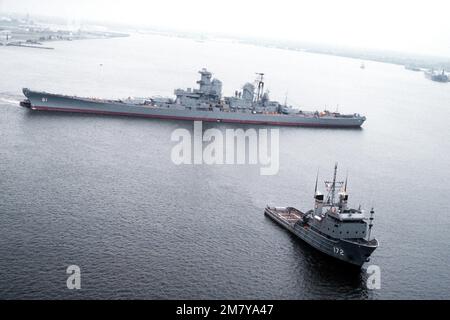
<point x="407" y="25"/>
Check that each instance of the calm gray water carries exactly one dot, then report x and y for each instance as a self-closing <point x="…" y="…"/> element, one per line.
<point x="101" y="192"/>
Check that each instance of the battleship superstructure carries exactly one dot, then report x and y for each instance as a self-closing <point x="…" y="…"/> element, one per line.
<point x="251" y="105"/>
<point x="331" y="227"/>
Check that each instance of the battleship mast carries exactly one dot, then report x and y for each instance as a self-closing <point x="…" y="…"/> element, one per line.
<point x="260" y="81"/>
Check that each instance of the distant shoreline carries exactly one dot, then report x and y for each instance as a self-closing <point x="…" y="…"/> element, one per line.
<point x="410" y="60"/>
<point x="28" y="34"/>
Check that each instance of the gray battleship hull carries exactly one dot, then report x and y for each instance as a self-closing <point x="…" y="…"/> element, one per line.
<point x="342" y="249"/>
<point x="54" y="102"/>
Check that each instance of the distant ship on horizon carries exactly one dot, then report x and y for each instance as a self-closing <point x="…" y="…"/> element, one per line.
<point x="436" y="76"/>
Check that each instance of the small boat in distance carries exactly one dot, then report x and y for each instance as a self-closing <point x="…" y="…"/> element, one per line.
<point x="331" y="226"/>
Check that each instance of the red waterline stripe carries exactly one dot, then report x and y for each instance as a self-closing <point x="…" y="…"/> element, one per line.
<point x="292" y="124"/>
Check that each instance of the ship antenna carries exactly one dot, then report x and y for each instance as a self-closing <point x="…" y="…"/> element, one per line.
<point x="333" y="186"/>
<point x="345" y="186"/>
<point x="372" y="212"/>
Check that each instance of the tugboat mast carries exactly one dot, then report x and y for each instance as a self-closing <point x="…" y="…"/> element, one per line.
<point x="372" y="212"/>
<point x="333" y="185"/>
<point x="345" y="185"/>
<point x="317" y="178"/>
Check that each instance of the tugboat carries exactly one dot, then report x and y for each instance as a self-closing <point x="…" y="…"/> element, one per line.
<point x="331" y="227"/>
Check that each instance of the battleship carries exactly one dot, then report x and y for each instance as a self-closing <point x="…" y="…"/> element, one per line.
<point x="251" y="105"/>
<point x="331" y="227"/>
